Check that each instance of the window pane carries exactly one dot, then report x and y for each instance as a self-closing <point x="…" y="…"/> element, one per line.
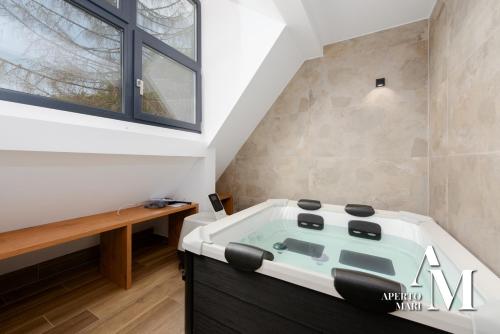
<point x="169" y="88"/>
<point x="114" y="3"/>
<point x="53" y="49"/>
<point x="171" y="21"/>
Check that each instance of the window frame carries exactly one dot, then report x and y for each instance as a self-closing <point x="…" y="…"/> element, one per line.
<point x="123" y="10"/>
<point x="124" y="19"/>
<point x="141" y="39"/>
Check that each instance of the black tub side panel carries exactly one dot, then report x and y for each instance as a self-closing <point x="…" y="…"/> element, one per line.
<point x="240" y="316"/>
<point x="204" y="324"/>
<point x="188" y="294"/>
<point x="231" y="301"/>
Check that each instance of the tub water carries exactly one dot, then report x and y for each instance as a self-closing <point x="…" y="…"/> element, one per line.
<point x="405" y="255"/>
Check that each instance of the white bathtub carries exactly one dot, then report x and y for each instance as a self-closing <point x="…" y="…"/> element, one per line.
<point x="246" y="226"/>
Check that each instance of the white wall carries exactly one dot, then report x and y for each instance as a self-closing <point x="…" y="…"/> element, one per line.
<point x="42" y="187"/>
<point x="260" y="45"/>
<point x="200" y="182"/>
<point x="29" y="128"/>
<point x="268" y="82"/>
<point x="236" y="40"/>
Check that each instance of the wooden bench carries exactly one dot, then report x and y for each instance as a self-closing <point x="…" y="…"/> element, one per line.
<point x="114" y="228"/>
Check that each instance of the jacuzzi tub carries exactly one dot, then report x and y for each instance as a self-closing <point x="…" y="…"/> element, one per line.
<point x="323" y="274"/>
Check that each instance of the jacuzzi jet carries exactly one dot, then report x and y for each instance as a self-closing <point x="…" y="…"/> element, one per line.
<point x="322" y="259"/>
<point x="280" y="246"/>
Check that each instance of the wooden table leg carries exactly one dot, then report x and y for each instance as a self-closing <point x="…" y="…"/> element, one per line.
<point x="116" y="256"/>
<point x="175" y="225"/>
<point x="228" y="205"/>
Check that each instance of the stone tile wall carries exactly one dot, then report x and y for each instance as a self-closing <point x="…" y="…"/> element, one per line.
<point x="465" y="124"/>
<point x="333" y="136"/>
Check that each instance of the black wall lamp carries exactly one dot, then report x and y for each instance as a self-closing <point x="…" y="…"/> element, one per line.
<point x="380" y="82"/>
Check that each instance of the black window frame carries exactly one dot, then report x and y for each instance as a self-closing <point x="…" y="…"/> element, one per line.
<point x="124" y="19"/>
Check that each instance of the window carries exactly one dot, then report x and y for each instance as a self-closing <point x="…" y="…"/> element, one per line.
<point x="133" y="60"/>
<point x="169" y="89"/>
<point x="171" y="21"/>
<point x="114" y="3"/>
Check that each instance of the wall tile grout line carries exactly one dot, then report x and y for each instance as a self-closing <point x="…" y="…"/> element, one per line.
<point x="429" y="143"/>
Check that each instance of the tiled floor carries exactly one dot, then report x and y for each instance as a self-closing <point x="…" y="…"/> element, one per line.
<point x="84" y="302"/>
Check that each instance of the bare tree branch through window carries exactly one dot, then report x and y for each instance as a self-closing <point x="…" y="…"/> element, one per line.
<point x="171" y="21"/>
<point x="54" y="49"/>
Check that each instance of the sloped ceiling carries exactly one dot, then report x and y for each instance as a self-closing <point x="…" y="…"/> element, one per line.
<point x="338" y="20"/>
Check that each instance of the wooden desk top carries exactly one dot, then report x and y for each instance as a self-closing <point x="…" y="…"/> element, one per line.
<point x="38" y="237"/>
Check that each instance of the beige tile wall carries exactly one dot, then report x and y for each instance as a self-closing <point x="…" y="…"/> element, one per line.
<point x="333" y="136"/>
<point x="465" y="124"/>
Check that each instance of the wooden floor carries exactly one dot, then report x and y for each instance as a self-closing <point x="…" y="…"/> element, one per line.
<point x="85" y="302"/>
